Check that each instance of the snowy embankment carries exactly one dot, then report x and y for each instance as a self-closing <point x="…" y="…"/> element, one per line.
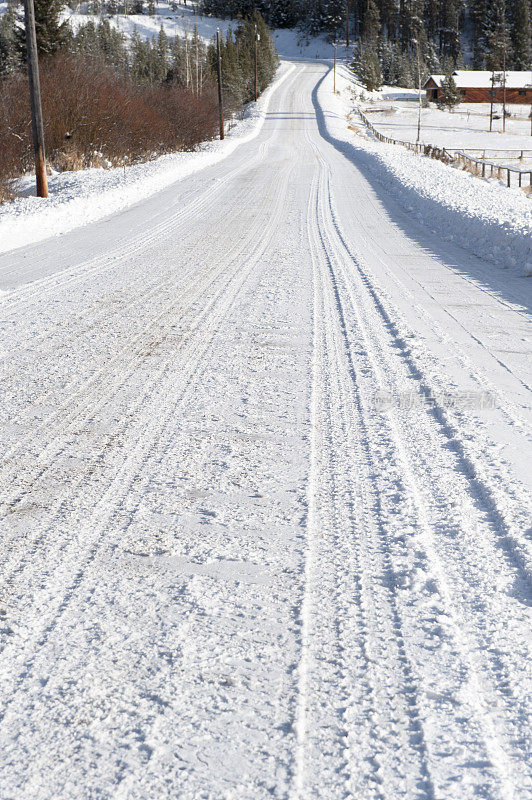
<point x="78" y="198"/>
<point x="482" y="216"/>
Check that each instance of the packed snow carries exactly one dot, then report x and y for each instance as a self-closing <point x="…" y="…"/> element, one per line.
<point x="265" y="482"/>
<point x="78" y="198"/>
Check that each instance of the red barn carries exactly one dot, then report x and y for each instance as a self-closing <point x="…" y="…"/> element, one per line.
<point x="476" y="86"/>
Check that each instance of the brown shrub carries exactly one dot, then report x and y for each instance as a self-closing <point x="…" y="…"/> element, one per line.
<point x="93" y="115"/>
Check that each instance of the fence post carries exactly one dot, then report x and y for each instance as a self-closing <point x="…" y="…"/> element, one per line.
<point x="476" y="166"/>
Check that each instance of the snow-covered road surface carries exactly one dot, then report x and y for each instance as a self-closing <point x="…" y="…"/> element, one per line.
<point x="265" y="509"/>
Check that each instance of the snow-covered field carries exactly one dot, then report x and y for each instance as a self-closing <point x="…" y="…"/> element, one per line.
<point x="394" y="112"/>
<point x="265" y="485"/>
<point x="481" y="215"/>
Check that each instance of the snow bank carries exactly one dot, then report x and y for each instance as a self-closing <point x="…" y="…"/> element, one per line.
<point x="482" y="216"/>
<point x="78" y="198"/>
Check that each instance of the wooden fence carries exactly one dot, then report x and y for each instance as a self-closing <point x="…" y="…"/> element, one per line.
<point x="485" y="153"/>
<point x="477" y="166"/>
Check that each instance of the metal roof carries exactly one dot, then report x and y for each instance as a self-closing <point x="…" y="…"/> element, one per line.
<point x="481" y="79"/>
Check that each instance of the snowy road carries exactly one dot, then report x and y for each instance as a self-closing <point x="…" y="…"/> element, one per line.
<point x="265" y="514"/>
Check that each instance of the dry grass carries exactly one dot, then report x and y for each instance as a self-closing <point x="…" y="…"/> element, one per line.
<point x="94" y="115"/>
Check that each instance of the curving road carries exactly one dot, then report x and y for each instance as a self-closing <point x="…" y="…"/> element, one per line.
<point x="264" y="495"/>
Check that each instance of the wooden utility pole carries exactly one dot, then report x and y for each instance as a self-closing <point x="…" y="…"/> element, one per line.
<point x="334" y="71"/>
<point x="504" y="86"/>
<point x="492" y="98"/>
<point x="505" y="45"/>
<point x="37" y="127"/>
<point x="418" y="91"/>
<point x="347" y="23"/>
<point x="220" y="94"/>
<point x="256" y="64"/>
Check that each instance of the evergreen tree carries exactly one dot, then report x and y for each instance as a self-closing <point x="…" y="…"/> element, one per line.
<point x="389" y="19"/>
<point x="499" y="46"/>
<point x="161" y="59"/>
<point x="233" y="78"/>
<point x="86" y="39"/>
<point x="449" y="96"/>
<point x="388" y="62"/>
<point x="9" y="54"/>
<point x="268" y="59"/>
<point x="102" y="41"/>
<point x="52" y="32"/>
<point x="367" y="67"/>
<point x="140" y="58"/>
<point x="405" y="76"/>
<point x="439" y="25"/>
<point x="372" y="24"/>
<point x="449" y="30"/>
<point x="238" y="57"/>
<point x="521" y="33"/>
<point x="177" y="58"/>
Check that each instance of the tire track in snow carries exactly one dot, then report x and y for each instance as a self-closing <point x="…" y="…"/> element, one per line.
<point x="131" y="470"/>
<point x="497" y="754"/>
<point x="361" y="634"/>
<point x="38" y="291"/>
<point x="496" y="506"/>
<point x="81" y="388"/>
<point x="33" y="291"/>
<point x="468" y="643"/>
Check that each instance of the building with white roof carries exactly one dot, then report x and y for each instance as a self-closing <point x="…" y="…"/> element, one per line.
<point x="480" y="86"/>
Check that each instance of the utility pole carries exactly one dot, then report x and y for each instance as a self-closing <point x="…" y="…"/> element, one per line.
<point x="504" y="85"/>
<point x="35" y="100"/>
<point x="418" y="91"/>
<point x="347" y="23"/>
<point x="220" y="95"/>
<point x="257" y="37"/>
<point x="505" y="47"/>
<point x="491" y="99"/>
<point x="334" y="71"/>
